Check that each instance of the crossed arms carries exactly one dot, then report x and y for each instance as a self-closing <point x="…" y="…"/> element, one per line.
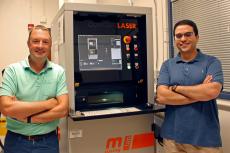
<point x="182" y="95"/>
<point x="41" y="111"/>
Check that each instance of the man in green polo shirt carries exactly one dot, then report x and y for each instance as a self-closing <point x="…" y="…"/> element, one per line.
<point x="33" y="97"/>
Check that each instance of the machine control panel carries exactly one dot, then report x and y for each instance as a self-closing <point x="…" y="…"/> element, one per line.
<point x="110" y="60"/>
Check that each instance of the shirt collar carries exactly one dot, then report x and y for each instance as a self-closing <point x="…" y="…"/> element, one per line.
<point x="26" y="65"/>
<point x="196" y="59"/>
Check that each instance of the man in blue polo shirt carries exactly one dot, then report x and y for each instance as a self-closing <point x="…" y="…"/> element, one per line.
<point x="188" y="85"/>
<point x="33" y="97"/>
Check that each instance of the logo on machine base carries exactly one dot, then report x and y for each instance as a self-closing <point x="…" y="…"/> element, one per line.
<point x="129" y="142"/>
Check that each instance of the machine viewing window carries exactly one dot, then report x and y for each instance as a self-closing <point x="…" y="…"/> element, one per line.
<point x="105" y="97"/>
<point x="99" y="52"/>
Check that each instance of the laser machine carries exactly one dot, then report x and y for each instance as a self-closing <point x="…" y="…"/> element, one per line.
<point x="107" y="53"/>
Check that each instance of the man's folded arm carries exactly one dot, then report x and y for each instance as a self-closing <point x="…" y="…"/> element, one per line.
<point x="61" y="110"/>
<point x="165" y="95"/>
<point x="14" y="108"/>
<point x="201" y="92"/>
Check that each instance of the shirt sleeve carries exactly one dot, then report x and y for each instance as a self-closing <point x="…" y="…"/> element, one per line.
<point x="215" y="69"/>
<point x="163" y="78"/>
<point x="61" y="85"/>
<point x="9" y="83"/>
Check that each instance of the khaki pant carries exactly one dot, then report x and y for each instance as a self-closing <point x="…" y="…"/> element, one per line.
<point x="170" y="146"/>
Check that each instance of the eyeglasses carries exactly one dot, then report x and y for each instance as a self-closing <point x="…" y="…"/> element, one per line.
<point x="186" y="34"/>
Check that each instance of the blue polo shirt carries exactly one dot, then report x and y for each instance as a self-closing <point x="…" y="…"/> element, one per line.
<point x="21" y="81"/>
<point x="196" y="123"/>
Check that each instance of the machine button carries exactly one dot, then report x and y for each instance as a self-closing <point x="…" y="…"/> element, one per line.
<point x="137" y="65"/>
<point x="140" y="81"/>
<point x="127" y="47"/>
<point x="135" y="47"/>
<point x="128" y="66"/>
<point x="135" y="37"/>
<point x="83" y="99"/>
<point x="127" y="39"/>
<point x="77" y="84"/>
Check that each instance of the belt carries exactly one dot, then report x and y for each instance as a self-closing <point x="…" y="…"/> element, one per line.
<point x="32" y="137"/>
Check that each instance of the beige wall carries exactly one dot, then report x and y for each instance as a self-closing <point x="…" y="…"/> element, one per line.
<point x="61" y="2"/>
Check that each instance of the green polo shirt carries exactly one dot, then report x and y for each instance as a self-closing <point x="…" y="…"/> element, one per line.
<point x="21" y="81"/>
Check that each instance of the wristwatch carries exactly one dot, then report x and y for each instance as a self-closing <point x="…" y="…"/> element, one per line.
<point x="29" y="119"/>
<point x="174" y="88"/>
